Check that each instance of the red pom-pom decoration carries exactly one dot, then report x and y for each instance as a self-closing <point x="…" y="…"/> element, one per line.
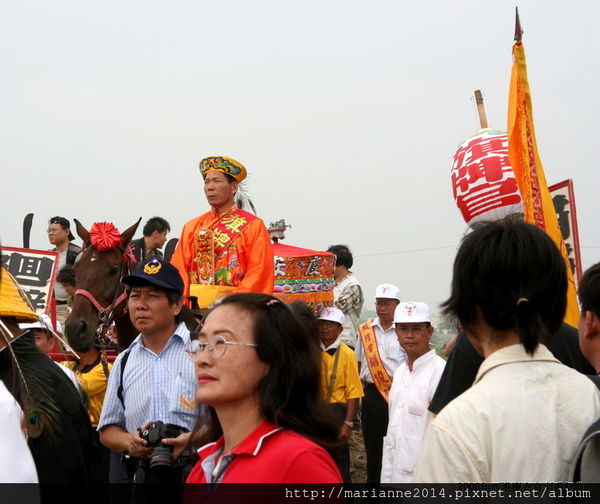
<point x="105" y="236"/>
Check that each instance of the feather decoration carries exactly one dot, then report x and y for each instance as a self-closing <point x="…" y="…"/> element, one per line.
<point x="242" y="198"/>
<point x="31" y="391"/>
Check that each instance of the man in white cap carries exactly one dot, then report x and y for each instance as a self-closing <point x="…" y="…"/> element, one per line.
<point x="379" y="354"/>
<point x="340" y="384"/>
<point x="414" y="384"/>
<point x="45" y="341"/>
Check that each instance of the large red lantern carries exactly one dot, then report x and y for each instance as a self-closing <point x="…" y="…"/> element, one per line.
<point x="483" y="181"/>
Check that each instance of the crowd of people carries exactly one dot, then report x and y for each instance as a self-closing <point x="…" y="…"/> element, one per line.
<point x="251" y="390"/>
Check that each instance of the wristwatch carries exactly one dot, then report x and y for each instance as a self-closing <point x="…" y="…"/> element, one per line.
<point x="349" y="424"/>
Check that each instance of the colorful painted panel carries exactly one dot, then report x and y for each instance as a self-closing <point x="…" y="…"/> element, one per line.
<point x="303" y="275"/>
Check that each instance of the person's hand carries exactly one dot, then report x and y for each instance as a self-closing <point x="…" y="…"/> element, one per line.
<point x="137" y="446"/>
<point x="179" y="443"/>
<point x="345" y="432"/>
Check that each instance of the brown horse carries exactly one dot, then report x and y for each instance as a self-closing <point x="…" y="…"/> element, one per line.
<point x="99" y="295"/>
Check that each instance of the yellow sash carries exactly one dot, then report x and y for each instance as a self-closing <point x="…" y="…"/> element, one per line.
<point x="208" y="294"/>
<point x="381" y="378"/>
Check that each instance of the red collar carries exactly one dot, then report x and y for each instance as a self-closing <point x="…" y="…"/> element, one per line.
<point x="249" y="446"/>
<point x="216" y="213"/>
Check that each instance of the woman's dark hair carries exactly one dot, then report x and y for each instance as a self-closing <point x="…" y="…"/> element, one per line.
<point x="342" y="254"/>
<point x="308" y="320"/>
<point x="514" y="273"/>
<point x="290" y="392"/>
<point x="589" y="290"/>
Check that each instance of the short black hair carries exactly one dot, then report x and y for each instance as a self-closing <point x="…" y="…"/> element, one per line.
<point x="66" y="275"/>
<point x="63" y="223"/>
<point x="589" y="290"/>
<point x="515" y="275"/>
<point x="156" y="224"/>
<point x="172" y="296"/>
<point x="343" y="256"/>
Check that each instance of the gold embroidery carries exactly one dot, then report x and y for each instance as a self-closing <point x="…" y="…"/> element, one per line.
<point x="220" y="238"/>
<point x="234" y="222"/>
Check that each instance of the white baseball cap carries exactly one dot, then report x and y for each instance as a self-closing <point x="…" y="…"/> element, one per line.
<point x="412" y="312"/>
<point x="45" y="322"/>
<point x="332" y="315"/>
<point x="387" y="291"/>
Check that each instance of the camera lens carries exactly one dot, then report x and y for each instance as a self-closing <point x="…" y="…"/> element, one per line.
<point x="161" y="456"/>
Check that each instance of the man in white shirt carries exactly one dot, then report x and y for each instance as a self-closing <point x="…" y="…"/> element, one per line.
<point x="413" y="386"/>
<point x="59" y="235"/>
<point x="379" y="354"/>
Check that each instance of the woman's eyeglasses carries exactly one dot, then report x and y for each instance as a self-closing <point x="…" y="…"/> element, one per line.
<point x="216" y="349"/>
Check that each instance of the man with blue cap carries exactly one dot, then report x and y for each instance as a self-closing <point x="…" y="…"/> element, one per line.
<point x="154" y="379"/>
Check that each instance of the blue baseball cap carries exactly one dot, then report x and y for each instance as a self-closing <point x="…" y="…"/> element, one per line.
<point x="157" y="272"/>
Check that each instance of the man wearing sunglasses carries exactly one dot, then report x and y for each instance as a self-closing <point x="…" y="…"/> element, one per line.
<point x="154" y="379"/>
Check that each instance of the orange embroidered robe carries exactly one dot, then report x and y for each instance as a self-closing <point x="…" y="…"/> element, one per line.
<point x="231" y="251"/>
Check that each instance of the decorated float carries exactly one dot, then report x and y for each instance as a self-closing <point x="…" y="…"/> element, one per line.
<point x="301" y="274"/>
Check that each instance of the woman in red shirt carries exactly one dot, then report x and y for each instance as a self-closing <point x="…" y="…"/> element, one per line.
<point x="258" y="371"/>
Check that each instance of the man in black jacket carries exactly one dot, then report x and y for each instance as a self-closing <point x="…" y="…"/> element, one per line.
<point x="587" y="459"/>
<point x="59" y="235"/>
<point x="155" y="235"/>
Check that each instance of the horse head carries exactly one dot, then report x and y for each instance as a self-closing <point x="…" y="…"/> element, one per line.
<point x="98" y="272"/>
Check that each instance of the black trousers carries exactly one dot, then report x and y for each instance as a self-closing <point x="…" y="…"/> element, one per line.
<point x="341" y="454"/>
<point x="374" y="425"/>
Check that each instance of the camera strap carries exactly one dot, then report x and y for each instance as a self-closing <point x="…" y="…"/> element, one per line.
<point x="122" y="372"/>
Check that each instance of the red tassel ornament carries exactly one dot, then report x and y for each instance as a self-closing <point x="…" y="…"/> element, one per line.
<point x="105" y="236"/>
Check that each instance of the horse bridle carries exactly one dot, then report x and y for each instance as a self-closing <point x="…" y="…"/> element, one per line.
<point x="106" y="313"/>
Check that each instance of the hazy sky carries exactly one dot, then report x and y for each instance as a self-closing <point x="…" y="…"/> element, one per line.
<point x="346" y="114"/>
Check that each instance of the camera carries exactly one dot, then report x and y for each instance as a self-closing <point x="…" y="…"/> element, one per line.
<point x="162" y="455"/>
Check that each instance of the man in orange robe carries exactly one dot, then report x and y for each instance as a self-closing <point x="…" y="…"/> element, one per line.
<point x="226" y="250"/>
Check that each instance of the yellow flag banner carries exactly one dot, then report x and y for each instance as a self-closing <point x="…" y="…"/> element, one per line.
<point x="523" y="154"/>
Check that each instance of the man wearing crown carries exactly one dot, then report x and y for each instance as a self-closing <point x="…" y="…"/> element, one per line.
<point x="227" y="249"/>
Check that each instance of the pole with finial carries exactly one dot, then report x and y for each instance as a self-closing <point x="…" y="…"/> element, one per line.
<point x="481" y="109"/>
<point x="518" y="29"/>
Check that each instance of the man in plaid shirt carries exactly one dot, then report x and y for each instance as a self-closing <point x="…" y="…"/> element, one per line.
<point x="347" y="293"/>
